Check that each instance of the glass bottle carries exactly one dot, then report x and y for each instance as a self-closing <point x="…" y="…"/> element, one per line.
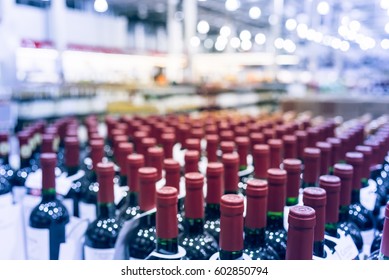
<point x="311" y="167"/>
<point x="292" y="166"/>
<point x="231" y="168"/>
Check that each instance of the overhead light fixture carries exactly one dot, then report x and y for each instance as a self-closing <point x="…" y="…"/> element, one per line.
<point x="246" y="45"/>
<point x="245" y="35"/>
<point x="260" y="38"/>
<point x="355" y="25"/>
<point x="232" y="5"/>
<point x="225" y="31"/>
<point x="279" y="43"/>
<point x="100" y="6"/>
<point x="385" y="44"/>
<point x="291" y="24"/>
<point x="235" y="42"/>
<point x="323" y="8"/>
<point x="203" y="27"/>
<point x="255" y="13"/>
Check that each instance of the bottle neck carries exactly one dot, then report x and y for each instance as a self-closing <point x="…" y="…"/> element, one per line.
<point x="355" y="196"/>
<point x="318" y="249"/>
<point x="194" y="226"/>
<point x="227" y="255"/>
<point x="4" y="159"/>
<point x="275" y="220"/>
<point x="290" y="201"/>
<point x="308" y="184"/>
<point x="123" y="180"/>
<point x="24" y="162"/>
<point x="106" y="210"/>
<point x="343" y="213"/>
<point x="167" y="246"/>
<point x="332" y="229"/>
<point x="48" y="194"/>
<point x="212" y="211"/>
<point x="72" y="170"/>
<point x="254" y="237"/>
<point x="132" y="199"/>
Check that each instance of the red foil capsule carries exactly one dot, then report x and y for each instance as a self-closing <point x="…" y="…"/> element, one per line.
<point x="147" y="179"/>
<point x="317" y="199"/>
<point x="345" y="173"/>
<point x="191" y="158"/>
<point x="331" y="184"/>
<point x="277" y="189"/>
<point x="276" y="152"/>
<point x="194" y="207"/>
<point x="356" y="160"/>
<point x="133" y="163"/>
<point x="166" y="216"/>
<point x="231" y="169"/>
<point x="290" y="146"/>
<point x="261" y="158"/>
<point x="172" y="173"/>
<point x="212" y="144"/>
<point x="325" y="156"/>
<point x="105" y="176"/>
<point x="242" y="144"/>
<point x="256" y="211"/>
<point x="215" y="173"/>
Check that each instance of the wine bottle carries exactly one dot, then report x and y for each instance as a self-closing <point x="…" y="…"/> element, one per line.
<point x="101" y="234"/>
<point x="317" y="198"/>
<point x="325" y="157"/>
<point x="292" y="166"/>
<point x="193" y="144"/>
<point x="142" y="240"/>
<point x="383" y="252"/>
<point x="242" y="143"/>
<point x="167" y="247"/>
<point x="191" y="158"/>
<point x="358" y="214"/>
<point x="168" y="140"/>
<point x="335" y="152"/>
<point x="47" y="221"/>
<point x="130" y="208"/>
<point x="215" y="174"/>
<point x="290" y="146"/>
<point x="198" y="243"/>
<point x="255" y="244"/>
<point x="345" y="173"/>
<point x="255" y="139"/>
<point x="311" y="167"/>
<point x="301" y="143"/>
<point x="261" y="159"/>
<point x="212" y="145"/>
<point x="154" y="159"/>
<point x="275" y="146"/>
<point x="302" y="220"/>
<point x="124" y="149"/>
<point x="231" y="228"/>
<point x="275" y="232"/>
<point x="227" y="147"/>
<point x="231" y="169"/>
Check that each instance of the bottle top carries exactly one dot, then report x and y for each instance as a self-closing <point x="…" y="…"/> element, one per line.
<point x="3" y="136"/>
<point x="354" y="158"/>
<point x="313" y="153"/>
<point x="194" y="180"/>
<point x="289" y="139"/>
<point x="330" y="183"/>
<point x="257" y="188"/>
<point x="149" y="142"/>
<point x="192" y="155"/>
<point x="292" y="165"/>
<point x="242" y="141"/>
<point x="365" y="150"/>
<point x="261" y="149"/>
<point x="256" y="136"/>
<point x="230" y="159"/>
<point x="105" y="177"/>
<point x="105" y="169"/>
<point x="324" y="146"/>
<point x="314" y="197"/>
<point x="147" y="173"/>
<point x="231" y="205"/>
<point x="256" y="195"/>
<point x="171" y="165"/>
<point x="276" y="176"/>
<point x="300" y="134"/>
<point x="275" y="143"/>
<point x="301" y="217"/>
<point x="227" y="135"/>
<point x="215" y="169"/>
<point x="48" y="159"/>
<point x="227" y="146"/>
<point x="168" y="138"/>
<point x="343" y="170"/>
<point x="135" y="160"/>
<point x="212" y="138"/>
<point x="193" y="144"/>
<point x="166" y="222"/>
<point x="336" y="142"/>
<point x="155" y="152"/>
<point x="72" y="151"/>
<point x="167" y="196"/>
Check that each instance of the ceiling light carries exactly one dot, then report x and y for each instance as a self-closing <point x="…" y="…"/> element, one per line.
<point x="385" y="44"/>
<point x="336" y="43"/>
<point x="289" y="45"/>
<point x="245" y="35"/>
<point x="203" y="27"/>
<point x="100" y="6"/>
<point x="343" y="30"/>
<point x="279" y="43"/>
<point x="235" y="42"/>
<point x="232" y="5"/>
<point x="260" y="38"/>
<point x="219" y="46"/>
<point x="344" y="46"/>
<point x="302" y="30"/>
<point x="255" y="13"/>
<point x="246" y="45"/>
<point x="225" y="31"/>
<point x="355" y="25"/>
<point x="291" y="24"/>
<point x="195" y="41"/>
<point x="273" y="19"/>
<point x="323" y="8"/>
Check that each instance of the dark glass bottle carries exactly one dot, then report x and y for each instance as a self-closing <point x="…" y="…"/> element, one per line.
<point x="198" y="243"/>
<point x="6" y="171"/>
<point x="167" y="247"/>
<point x="345" y="173"/>
<point x="101" y="235"/>
<point x="275" y="232"/>
<point x="358" y="214"/>
<point x="231" y="225"/>
<point x="302" y="220"/>
<point x="215" y="173"/>
<point x="142" y="240"/>
<point x="255" y="244"/>
<point x="231" y="168"/>
<point x="383" y="252"/>
<point x="130" y="208"/>
<point x="47" y="221"/>
<point x="316" y="198"/>
<point x="292" y="166"/>
<point x="311" y="167"/>
<point x="88" y="200"/>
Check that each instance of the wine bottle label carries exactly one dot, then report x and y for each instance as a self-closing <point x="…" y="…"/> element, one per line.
<point x="18" y="193"/>
<point x="25" y="151"/>
<point x="368" y="237"/>
<point x="181" y="253"/>
<point x="344" y="247"/>
<point x="6" y="200"/>
<point x="98" y="254"/>
<point x="368" y="195"/>
<point x="87" y="211"/>
<point x="38" y="244"/>
<point x="68" y="203"/>
<point x="4" y="148"/>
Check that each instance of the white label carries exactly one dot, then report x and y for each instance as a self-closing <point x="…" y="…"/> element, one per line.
<point x="368" y="237"/>
<point x="25" y="151"/>
<point x="38" y="244"/>
<point x="4" y="148"/>
<point x="68" y="203"/>
<point x="87" y="211"/>
<point x="98" y="254"/>
<point x="345" y="248"/>
<point x="181" y="253"/>
<point x="368" y="195"/>
<point x="6" y="200"/>
<point x="18" y="193"/>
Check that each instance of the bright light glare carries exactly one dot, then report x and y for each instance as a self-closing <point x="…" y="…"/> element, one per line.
<point x="235" y="42"/>
<point x="355" y="25"/>
<point x="387" y="28"/>
<point x="255" y="13"/>
<point x="203" y="27"/>
<point x="291" y="24"/>
<point x="219" y="45"/>
<point x="385" y="44"/>
<point x="302" y="30"/>
<point x="195" y="41"/>
<point x="246" y="45"/>
<point x="279" y="43"/>
<point x="384" y="4"/>
<point x="260" y="39"/>
<point x="100" y="6"/>
<point x="344" y="46"/>
<point x="343" y="30"/>
<point x="323" y="8"/>
<point x="225" y="31"/>
<point x="232" y="5"/>
<point x="289" y="46"/>
<point x="208" y="43"/>
<point x="245" y="35"/>
<point x="336" y="43"/>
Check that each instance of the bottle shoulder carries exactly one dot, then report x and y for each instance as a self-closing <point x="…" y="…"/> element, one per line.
<point x="47" y="213"/>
